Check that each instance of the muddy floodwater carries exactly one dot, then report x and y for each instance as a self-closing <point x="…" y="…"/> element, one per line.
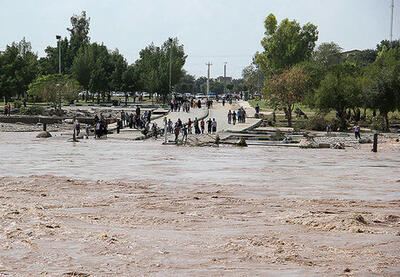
<point x="114" y="207"/>
<point x="284" y="172"/>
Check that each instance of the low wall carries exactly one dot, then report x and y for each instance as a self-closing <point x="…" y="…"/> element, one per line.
<point x="41" y="119"/>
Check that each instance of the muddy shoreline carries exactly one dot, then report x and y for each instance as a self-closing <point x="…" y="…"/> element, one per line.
<point x="53" y="226"/>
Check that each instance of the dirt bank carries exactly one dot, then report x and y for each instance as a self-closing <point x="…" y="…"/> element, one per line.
<point x="53" y="226"/>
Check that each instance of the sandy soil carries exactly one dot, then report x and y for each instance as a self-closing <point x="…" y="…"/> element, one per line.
<point x="53" y="226"/>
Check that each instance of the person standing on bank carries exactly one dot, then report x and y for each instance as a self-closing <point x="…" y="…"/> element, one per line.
<point x="184" y="134"/>
<point x="229" y="117"/>
<point x="214" y="126"/>
<point x="138" y="111"/>
<point x="196" y="126"/>
<point x="77" y="127"/>
<point x="357" y="131"/>
<point x="202" y="125"/>
<point x="209" y="122"/>
<point x="176" y="131"/>
<point x="234" y="117"/>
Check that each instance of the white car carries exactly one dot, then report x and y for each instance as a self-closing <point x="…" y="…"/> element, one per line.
<point x="200" y="96"/>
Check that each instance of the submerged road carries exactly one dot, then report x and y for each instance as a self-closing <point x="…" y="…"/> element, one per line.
<point x="217" y="111"/>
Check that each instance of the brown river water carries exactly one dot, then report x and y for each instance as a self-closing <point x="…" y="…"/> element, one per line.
<point x="138" y="208"/>
<point x="284" y="172"/>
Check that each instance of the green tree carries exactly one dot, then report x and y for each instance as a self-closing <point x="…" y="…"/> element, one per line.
<point x="200" y="85"/>
<point x="119" y="66"/>
<point x="286" y="89"/>
<point x="285" y="44"/>
<point x="154" y="65"/>
<point x="131" y="79"/>
<point x="341" y="89"/>
<point x="81" y="69"/>
<point x="186" y="84"/>
<point x="149" y="66"/>
<point x="49" y="64"/>
<point x="94" y="69"/>
<point x="363" y="58"/>
<point x="383" y="83"/>
<point x="252" y="77"/>
<point x="328" y="54"/>
<point x="18" y="67"/>
<point x="79" y="34"/>
<point x="53" y="88"/>
<point x="69" y="48"/>
<point x="386" y="44"/>
<point x="217" y="87"/>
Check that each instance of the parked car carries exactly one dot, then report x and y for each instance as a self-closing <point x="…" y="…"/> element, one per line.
<point x="212" y="95"/>
<point x="200" y="96"/>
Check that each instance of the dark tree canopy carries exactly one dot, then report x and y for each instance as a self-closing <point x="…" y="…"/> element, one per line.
<point x="18" y="68"/>
<point x="383" y="83"/>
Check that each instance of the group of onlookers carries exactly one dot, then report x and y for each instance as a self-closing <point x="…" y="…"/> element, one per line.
<point x="134" y="120"/>
<point x="187" y="128"/>
<point x="239" y="116"/>
<point x="184" y="105"/>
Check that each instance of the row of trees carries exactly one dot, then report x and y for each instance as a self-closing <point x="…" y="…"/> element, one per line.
<point x="325" y="78"/>
<point x="189" y="84"/>
<point x="92" y="65"/>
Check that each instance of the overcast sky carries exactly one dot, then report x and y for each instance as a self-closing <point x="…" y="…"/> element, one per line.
<point x="211" y="30"/>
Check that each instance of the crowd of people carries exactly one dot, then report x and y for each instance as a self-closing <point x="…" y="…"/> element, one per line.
<point x="186" y="128"/>
<point x="142" y="121"/>
<point x="185" y="105"/>
<point x="134" y="120"/>
<point x="239" y="116"/>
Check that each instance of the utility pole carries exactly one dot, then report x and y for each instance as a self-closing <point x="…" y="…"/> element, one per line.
<point x="170" y="65"/>
<point x="391" y="23"/>
<point x="58" y="37"/>
<point x="258" y="79"/>
<point x="208" y="77"/>
<point x="225" y="77"/>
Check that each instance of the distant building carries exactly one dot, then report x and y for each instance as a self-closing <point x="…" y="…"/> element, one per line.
<point x="222" y="79"/>
<point x="351" y="52"/>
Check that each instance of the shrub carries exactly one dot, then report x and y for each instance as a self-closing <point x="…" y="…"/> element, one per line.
<point x="33" y="110"/>
<point x="318" y="123"/>
<point x="377" y="123"/>
<point x="17" y="104"/>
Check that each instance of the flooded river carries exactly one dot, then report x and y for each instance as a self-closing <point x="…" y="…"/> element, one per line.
<point x="130" y="208"/>
<point x="272" y="171"/>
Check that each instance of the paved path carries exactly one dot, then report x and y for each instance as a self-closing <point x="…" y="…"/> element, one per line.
<point x="132" y="134"/>
<point x="219" y="112"/>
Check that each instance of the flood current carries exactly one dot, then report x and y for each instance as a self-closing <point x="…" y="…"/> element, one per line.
<point x="275" y="171"/>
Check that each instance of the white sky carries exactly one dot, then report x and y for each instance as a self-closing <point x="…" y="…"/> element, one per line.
<point x="211" y="30"/>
